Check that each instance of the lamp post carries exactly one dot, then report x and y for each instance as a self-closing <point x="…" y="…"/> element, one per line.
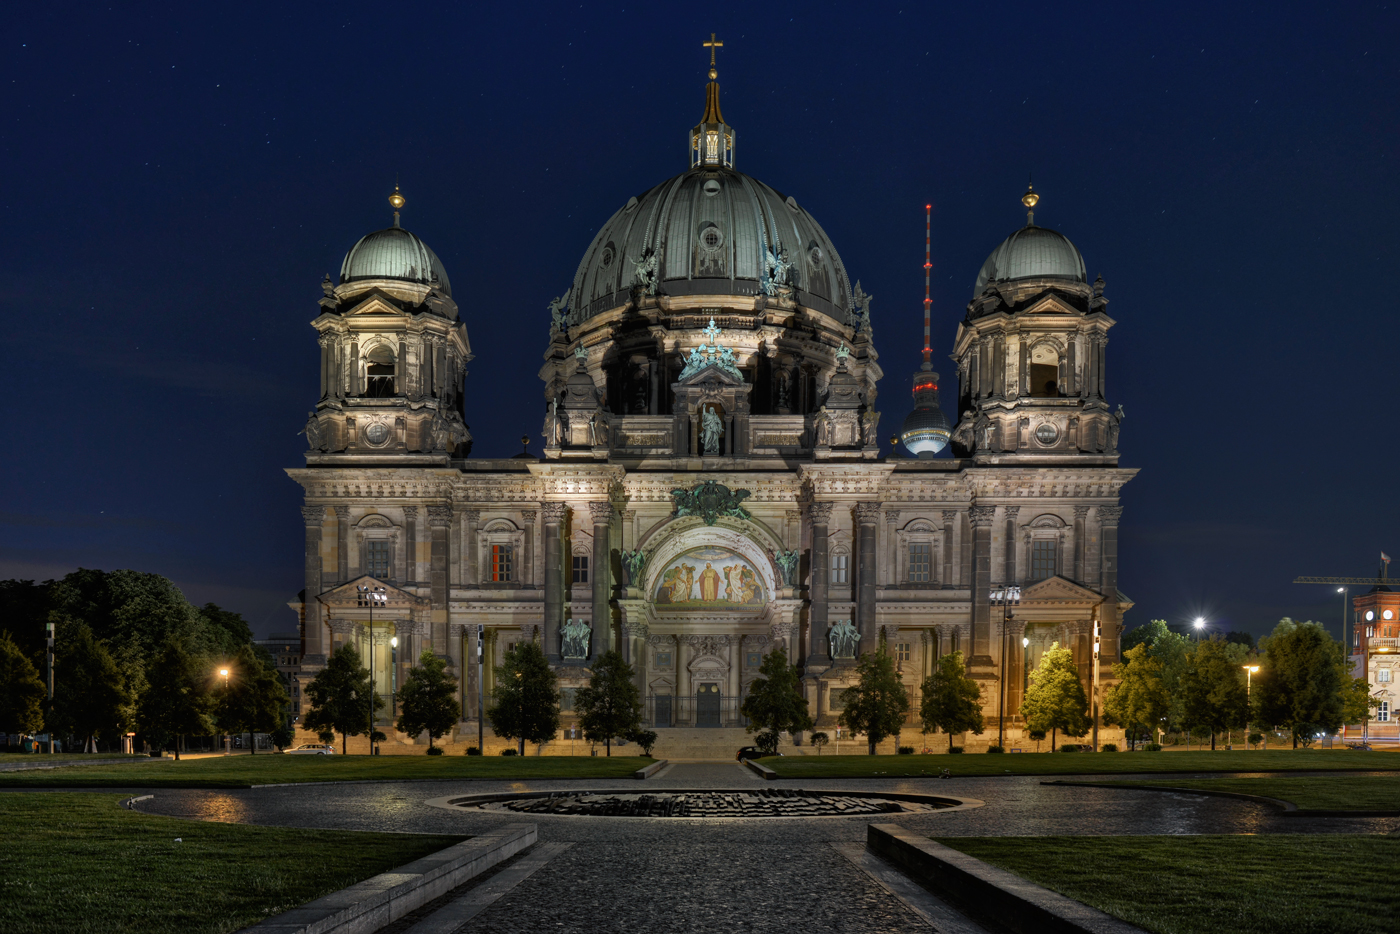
<point x="223" y="673"/>
<point x="48" y="710"/>
<point x="1345" y="640"/>
<point x="394" y="677"/>
<point x="1200" y="625"/>
<point x="1249" y="671"/>
<point x="1098" y="628"/>
<point x="1007" y="597"/>
<point x="480" y="689"/>
<point x="369" y="596"/>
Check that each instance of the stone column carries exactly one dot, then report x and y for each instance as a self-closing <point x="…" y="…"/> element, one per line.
<point x="342" y="543"/>
<point x="685" y="698"/>
<point x="818" y="651"/>
<point x="965" y="549"/>
<point x="1080" y="512"/>
<point x="527" y="571"/>
<point x="1009" y="575"/>
<point x="1015" y="666"/>
<point x="736" y="661"/>
<point x="457" y="663"/>
<point x="440" y="522"/>
<point x="470" y="550"/>
<point x="981" y="518"/>
<point x="342" y="631"/>
<point x="1109" y="517"/>
<point x="554" y="514"/>
<point x="949" y="517"/>
<point x="312" y="632"/>
<point x="891" y="559"/>
<point x="602" y="580"/>
<point x="410" y="544"/>
<point x="634" y="644"/>
<point x="867" y="566"/>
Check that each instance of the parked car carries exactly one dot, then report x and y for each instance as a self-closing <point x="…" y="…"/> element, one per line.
<point x="753" y="752"/>
<point x="312" y="749"/>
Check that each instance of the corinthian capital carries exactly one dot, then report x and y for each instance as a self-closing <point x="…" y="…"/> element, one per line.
<point x="440" y="516"/>
<point x="555" y="512"/>
<point x="602" y="513"/>
<point x="313" y="515"/>
<point x="471" y="515"/>
<point x="819" y="512"/>
<point x="981" y="516"/>
<point x="1109" y="515"/>
<point x="867" y="512"/>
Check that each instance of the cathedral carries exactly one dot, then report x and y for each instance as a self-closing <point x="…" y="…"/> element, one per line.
<point x="711" y="484"/>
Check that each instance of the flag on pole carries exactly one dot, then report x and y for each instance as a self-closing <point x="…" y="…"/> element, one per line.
<point x="1385" y="557"/>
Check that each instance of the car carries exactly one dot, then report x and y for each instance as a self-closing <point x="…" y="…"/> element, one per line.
<point x="753" y="752"/>
<point x="312" y="749"/>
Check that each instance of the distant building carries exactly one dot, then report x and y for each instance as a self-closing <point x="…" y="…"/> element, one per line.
<point x="1376" y="656"/>
<point x="285" y="649"/>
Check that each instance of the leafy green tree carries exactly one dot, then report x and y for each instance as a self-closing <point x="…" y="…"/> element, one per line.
<point x="257" y="700"/>
<point x="1213" y="687"/>
<point x="775" y="703"/>
<point x="177" y="701"/>
<point x="90" y="697"/>
<point x="340" y="696"/>
<point x="1055" y="700"/>
<point x="610" y="706"/>
<point x="526" y="697"/>
<point x="428" y="699"/>
<point x="1139" y="700"/>
<point x="952" y="702"/>
<point x="645" y="739"/>
<point x="1171" y="649"/>
<point x="819" y="740"/>
<point x="22" y="691"/>
<point x="1304" y="680"/>
<point x="878" y="703"/>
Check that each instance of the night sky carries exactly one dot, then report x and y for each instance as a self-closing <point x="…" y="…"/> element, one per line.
<point x="178" y="180"/>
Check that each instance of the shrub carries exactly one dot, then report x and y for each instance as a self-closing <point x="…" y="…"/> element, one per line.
<point x="471" y="750"/>
<point x="646" y="739"/>
<point x="955" y="750"/>
<point x="1069" y="747"/>
<point x="434" y="750"/>
<point x="996" y="749"/>
<point x="1255" y="738"/>
<point x="1109" y="747"/>
<point x="509" y="751"/>
<point x="1152" y="747"/>
<point x="906" y="750"/>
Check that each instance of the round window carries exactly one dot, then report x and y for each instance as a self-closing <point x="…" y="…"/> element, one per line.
<point x="711" y="187"/>
<point x="1047" y="434"/>
<point x="1370" y="614"/>
<point x="377" y="433"/>
<point x="815" y="255"/>
<point x="1387" y="615"/>
<point x="711" y="239"/>
<point x="607" y="256"/>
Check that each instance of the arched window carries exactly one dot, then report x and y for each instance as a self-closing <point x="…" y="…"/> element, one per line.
<point x="379" y="373"/>
<point x="1045" y="370"/>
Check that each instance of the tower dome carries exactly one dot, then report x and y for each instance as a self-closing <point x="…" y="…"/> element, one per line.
<point x="1032" y="253"/>
<point x="394" y="253"/>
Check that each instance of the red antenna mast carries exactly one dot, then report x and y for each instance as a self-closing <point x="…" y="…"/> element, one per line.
<point x="928" y="265"/>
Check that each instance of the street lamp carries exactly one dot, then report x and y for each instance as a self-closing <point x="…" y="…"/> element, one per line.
<point x="1345" y="640"/>
<point x="370" y="595"/>
<point x="223" y="673"/>
<point x="394" y="676"/>
<point x="1200" y="625"/>
<point x="1007" y="597"/>
<point x="1249" y="671"/>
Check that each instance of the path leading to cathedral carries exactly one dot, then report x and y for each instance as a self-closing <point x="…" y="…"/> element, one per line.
<point x="639" y="874"/>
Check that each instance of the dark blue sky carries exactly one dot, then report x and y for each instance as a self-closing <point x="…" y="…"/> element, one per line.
<point x="178" y="179"/>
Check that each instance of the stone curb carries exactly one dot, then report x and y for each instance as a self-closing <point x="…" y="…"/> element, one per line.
<point x="650" y="770"/>
<point x="1288" y="807"/>
<point x="1021" y="906"/>
<point x="380" y="900"/>
<point x="763" y="771"/>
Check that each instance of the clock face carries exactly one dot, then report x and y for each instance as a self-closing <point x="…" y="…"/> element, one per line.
<point x="377" y="433"/>
<point x="1047" y="434"/>
<point x="1370" y="614"/>
<point x="1387" y="615"/>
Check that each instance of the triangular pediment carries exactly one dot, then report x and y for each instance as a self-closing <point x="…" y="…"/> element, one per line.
<point x="349" y="597"/>
<point x="375" y="302"/>
<point x="1048" y="303"/>
<point x="712" y="371"/>
<point x="1058" y="590"/>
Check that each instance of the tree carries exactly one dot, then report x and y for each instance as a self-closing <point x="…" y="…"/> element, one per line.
<point x="428" y="699"/>
<point x="22" y="691"/>
<point x="1213" y="687"/>
<point x="775" y="703"/>
<point x="177" y="701"/>
<point x="340" y="696"/>
<point x="1055" y="700"/>
<point x="952" y="702"/>
<point x="1303" y="681"/>
<point x="1171" y="649"/>
<point x="90" y="695"/>
<point x="878" y="703"/>
<point x="257" y="700"/>
<point x="526" y="697"/>
<point x="610" y="706"/>
<point x="819" y="740"/>
<point x="1139" y="700"/>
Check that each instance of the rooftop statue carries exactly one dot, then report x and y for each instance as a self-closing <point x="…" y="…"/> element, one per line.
<point x="844" y="639"/>
<point x="577" y="635"/>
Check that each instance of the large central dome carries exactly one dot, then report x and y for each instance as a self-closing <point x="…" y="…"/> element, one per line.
<point x="713" y="231"/>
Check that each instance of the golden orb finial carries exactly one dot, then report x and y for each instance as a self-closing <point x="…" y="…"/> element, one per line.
<point x="397" y="201"/>
<point x="714" y="73"/>
<point x="1030" y="199"/>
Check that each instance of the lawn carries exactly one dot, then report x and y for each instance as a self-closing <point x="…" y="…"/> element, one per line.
<point x="1317" y="792"/>
<point x="1294" y="884"/>
<point x="1079" y="763"/>
<point x="80" y="862"/>
<point x="271" y="769"/>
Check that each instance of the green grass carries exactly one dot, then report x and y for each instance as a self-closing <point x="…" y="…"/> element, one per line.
<point x="243" y="771"/>
<point x="79" y="862"/>
<point x="1294" y="884"/>
<point x="1326" y="793"/>
<point x="1078" y="763"/>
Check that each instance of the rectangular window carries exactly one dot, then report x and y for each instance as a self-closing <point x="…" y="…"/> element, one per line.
<point x="1382" y="675"/>
<point x="1383" y="712"/>
<point x="580" y="569"/>
<point x="502" y="563"/>
<point x="920" y="561"/>
<point x="840" y="566"/>
<point x="902" y="651"/>
<point x="1042" y="560"/>
<point x="377" y="559"/>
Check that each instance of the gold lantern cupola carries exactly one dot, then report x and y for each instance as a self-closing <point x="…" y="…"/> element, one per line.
<point x="712" y="140"/>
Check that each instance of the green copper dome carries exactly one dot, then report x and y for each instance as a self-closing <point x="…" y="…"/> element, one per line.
<point x="1032" y="253"/>
<point x="394" y="253"/>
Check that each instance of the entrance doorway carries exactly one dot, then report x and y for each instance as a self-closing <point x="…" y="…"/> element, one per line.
<point x="707" y="705"/>
<point x="663" y="710"/>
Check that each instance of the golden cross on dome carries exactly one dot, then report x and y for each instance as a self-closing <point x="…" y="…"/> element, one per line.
<point x="712" y="45"/>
